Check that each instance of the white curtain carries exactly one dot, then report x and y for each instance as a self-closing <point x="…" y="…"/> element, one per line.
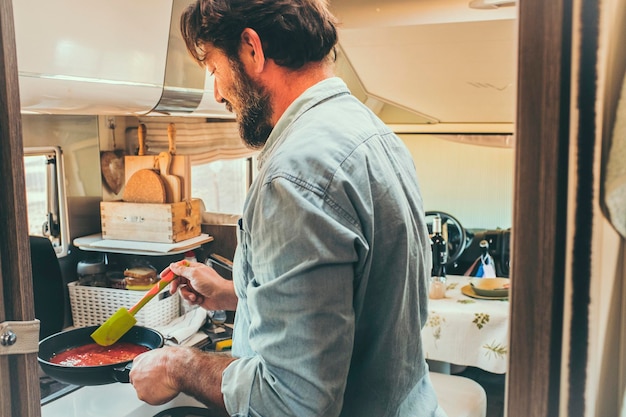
<point x="203" y="140"/>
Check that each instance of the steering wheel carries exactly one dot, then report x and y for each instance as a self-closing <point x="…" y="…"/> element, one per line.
<point x="456" y="236"/>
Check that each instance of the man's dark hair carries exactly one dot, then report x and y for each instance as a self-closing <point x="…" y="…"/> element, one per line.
<point x="293" y="32"/>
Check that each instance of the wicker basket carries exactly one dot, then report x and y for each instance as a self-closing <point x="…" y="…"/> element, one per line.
<point x="92" y="306"/>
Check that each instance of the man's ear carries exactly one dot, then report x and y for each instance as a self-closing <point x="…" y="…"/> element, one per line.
<point x="251" y="51"/>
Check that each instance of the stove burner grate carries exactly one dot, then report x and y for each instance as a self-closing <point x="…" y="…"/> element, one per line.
<point x="185" y="412"/>
<point x="51" y="389"/>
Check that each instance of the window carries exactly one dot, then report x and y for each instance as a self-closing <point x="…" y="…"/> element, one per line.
<point x="45" y="209"/>
<point x="36" y="193"/>
<point x="222" y="185"/>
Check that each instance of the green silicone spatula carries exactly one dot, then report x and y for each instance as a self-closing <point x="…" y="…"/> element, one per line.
<point x="123" y="320"/>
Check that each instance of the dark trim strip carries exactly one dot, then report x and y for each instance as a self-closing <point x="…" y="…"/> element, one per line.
<point x="583" y="230"/>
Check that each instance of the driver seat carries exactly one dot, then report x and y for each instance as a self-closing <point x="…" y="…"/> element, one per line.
<point x="47" y="286"/>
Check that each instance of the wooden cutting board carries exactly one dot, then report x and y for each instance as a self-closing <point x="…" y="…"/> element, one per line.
<point x="180" y="165"/>
<point x="171" y="182"/>
<point x="145" y="186"/>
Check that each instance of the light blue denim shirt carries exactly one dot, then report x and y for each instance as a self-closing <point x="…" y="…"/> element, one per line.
<point x="331" y="270"/>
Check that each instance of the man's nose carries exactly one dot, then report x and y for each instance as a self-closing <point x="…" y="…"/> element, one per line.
<point x="216" y="93"/>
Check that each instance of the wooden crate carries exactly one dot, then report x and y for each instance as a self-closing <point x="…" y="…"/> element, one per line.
<point x="145" y="222"/>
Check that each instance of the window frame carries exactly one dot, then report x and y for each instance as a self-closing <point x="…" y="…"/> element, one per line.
<point x="57" y="229"/>
<point x="250" y="165"/>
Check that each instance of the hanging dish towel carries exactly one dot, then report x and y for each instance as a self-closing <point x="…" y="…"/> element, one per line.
<point x="179" y="330"/>
<point x="615" y="182"/>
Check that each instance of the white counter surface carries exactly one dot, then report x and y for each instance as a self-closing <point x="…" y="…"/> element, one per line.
<point x="111" y="400"/>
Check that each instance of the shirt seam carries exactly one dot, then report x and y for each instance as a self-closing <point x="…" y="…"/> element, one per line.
<point x="320" y="192"/>
<point x="323" y="192"/>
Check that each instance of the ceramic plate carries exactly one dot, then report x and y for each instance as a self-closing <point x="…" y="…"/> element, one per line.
<point x="491" y="287"/>
<point x="469" y="291"/>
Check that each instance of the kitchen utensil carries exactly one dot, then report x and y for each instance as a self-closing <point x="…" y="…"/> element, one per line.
<point x="112" y="168"/>
<point x="171" y="182"/>
<point x="92" y="272"/>
<point x="134" y="163"/>
<point x="112" y="165"/>
<point x="141" y="139"/>
<point x="145" y="186"/>
<point x="171" y="138"/>
<point x="123" y="320"/>
<point x="180" y="164"/>
<point x="91" y="375"/>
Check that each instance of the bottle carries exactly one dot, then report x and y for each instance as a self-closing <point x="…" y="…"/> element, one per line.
<point x="190" y="256"/>
<point x="439" y="250"/>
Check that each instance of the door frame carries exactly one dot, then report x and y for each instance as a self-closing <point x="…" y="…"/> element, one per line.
<point x="21" y="396"/>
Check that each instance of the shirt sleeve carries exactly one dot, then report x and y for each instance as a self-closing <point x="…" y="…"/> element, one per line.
<point x="302" y="253"/>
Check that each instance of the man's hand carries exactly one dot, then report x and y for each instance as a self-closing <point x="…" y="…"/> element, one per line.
<point x="201" y="285"/>
<point x="149" y="375"/>
<point x="160" y="375"/>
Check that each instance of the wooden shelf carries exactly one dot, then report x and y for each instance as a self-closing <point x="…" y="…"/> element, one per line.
<point x="131" y="247"/>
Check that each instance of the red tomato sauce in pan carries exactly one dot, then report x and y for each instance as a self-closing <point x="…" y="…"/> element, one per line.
<point x="95" y="355"/>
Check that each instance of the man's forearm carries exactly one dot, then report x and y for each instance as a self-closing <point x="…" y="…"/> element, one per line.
<point x="199" y="374"/>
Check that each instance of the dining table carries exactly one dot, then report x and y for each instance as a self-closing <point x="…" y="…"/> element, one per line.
<point x="467" y="329"/>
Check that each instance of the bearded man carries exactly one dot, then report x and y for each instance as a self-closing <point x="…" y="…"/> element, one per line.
<point x="331" y="268"/>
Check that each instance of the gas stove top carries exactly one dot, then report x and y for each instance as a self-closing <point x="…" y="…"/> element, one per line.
<point x="51" y="389"/>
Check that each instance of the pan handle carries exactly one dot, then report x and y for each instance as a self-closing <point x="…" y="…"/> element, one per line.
<point x="122" y="374"/>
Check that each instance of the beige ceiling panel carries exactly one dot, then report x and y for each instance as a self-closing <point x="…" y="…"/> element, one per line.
<point x="462" y="72"/>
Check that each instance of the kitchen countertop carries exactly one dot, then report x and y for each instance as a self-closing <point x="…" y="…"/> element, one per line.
<point x="111" y="400"/>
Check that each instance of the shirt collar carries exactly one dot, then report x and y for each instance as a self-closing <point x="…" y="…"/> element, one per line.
<point x="311" y="97"/>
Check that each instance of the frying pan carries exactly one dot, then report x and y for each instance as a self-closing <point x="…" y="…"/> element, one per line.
<point x="91" y="375"/>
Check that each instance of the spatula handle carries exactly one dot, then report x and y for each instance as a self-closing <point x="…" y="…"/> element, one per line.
<point x="169" y="277"/>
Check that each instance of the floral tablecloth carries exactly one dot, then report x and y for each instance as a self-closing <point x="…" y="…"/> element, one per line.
<point x="467" y="331"/>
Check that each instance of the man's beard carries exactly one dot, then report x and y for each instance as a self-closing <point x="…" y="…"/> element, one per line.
<point x="254" y="114"/>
